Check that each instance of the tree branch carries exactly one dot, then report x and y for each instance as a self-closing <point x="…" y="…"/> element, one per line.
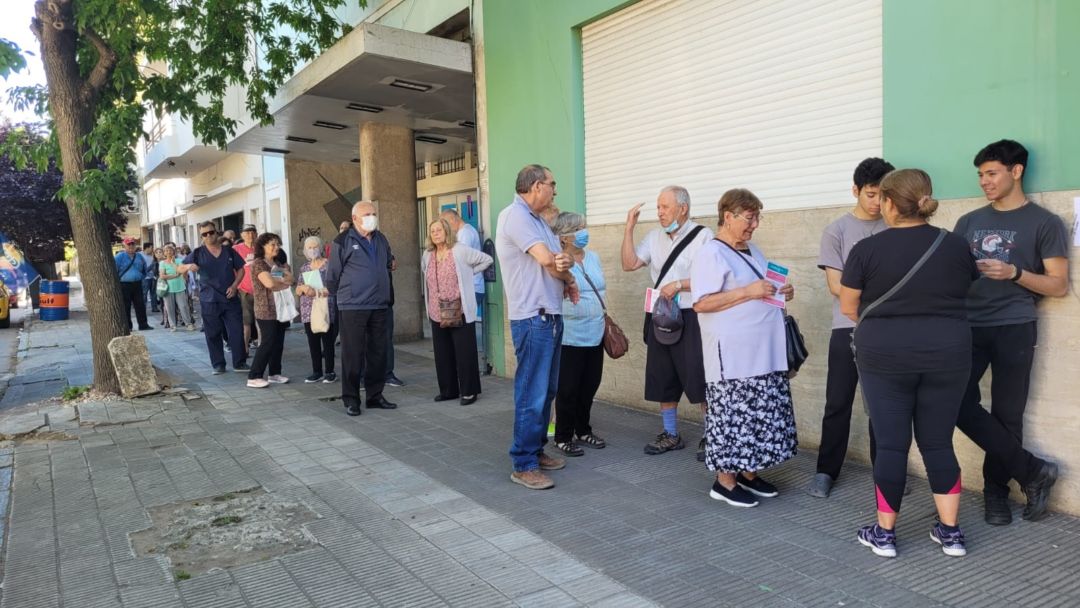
<point x="102" y="71"/>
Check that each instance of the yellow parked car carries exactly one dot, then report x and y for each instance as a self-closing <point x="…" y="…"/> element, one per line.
<point x="5" y="307"/>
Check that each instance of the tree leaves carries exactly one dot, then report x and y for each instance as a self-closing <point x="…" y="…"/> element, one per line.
<point x="11" y="58"/>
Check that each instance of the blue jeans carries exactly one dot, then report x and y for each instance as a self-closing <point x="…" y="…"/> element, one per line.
<point x="537" y="343"/>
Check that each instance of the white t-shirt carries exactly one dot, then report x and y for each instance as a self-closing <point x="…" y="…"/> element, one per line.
<point x="745" y="340"/>
<point x="654" y="250"/>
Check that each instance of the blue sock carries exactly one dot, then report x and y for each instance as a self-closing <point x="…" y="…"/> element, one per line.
<point x="669" y="421"/>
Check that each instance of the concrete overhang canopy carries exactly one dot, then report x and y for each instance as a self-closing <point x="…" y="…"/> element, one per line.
<point x="418" y="81"/>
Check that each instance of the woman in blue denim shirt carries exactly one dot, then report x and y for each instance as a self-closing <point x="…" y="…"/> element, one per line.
<point x="581" y="362"/>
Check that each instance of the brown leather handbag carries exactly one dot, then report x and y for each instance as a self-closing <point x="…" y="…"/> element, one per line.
<point x="615" y="342"/>
<point x="450" y="311"/>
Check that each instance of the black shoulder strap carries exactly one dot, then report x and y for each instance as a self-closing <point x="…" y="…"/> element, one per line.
<point x="128" y="267"/>
<point x="589" y="281"/>
<point x="744" y="258"/>
<point x="674" y="255"/>
<point x="895" y="288"/>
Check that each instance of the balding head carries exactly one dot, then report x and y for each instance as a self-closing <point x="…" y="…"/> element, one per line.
<point x="361" y="210"/>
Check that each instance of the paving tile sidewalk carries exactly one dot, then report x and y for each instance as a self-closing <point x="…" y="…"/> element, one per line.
<point x="416" y="508"/>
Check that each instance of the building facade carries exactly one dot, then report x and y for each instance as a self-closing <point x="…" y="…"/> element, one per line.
<point x="785" y="98"/>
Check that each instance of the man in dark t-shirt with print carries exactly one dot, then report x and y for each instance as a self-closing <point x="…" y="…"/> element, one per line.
<point x="220" y="271"/>
<point x="1020" y="249"/>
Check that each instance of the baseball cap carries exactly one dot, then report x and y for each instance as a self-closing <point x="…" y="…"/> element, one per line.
<point x="129" y="240"/>
<point x="249" y="228"/>
<point x="667" y="322"/>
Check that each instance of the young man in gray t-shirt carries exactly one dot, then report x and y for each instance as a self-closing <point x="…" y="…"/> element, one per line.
<point x="1021" y="249"/>
<point x="843" y="377"/>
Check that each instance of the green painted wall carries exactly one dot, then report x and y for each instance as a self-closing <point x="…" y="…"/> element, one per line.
<point x="532" y="60"/>
<point x="960" y="74"/>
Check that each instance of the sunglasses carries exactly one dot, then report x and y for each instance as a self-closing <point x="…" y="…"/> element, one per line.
<point x="208" y="233"/>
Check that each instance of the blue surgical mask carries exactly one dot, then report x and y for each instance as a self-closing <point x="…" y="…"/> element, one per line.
<point x="581" y="238"/>
<point x="672" y="228"/>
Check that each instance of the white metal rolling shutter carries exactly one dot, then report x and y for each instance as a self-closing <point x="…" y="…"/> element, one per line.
<point x="779" y="96"/>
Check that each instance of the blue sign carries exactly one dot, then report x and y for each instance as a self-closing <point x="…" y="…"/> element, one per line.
<point x="15" y="269"/>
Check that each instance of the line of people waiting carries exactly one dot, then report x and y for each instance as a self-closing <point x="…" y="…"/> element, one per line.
<point x="935" y="309"/>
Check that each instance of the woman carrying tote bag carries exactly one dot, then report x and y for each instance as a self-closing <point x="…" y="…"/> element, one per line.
<point x="269" y="279"/>
<point x="317" y="312"/>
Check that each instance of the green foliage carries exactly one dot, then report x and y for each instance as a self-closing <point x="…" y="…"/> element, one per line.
<point x="174" y="56"/>
<point x="11" y="59"/>
<point x="74" y="392"/>
<point x="182" y="575"/>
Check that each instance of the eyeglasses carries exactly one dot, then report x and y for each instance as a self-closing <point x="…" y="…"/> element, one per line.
<point x="208" y="233"/>
<point x="552" y="184"/>
<point x="754" y="219"/>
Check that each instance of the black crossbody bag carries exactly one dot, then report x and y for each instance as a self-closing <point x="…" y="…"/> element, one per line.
<point x="668" y="263"/>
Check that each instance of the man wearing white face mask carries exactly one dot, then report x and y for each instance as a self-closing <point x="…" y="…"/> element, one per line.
<point x="673" y="363"/>
<point x="359" y="277"/>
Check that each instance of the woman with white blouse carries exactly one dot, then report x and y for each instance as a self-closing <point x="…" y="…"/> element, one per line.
<point x="749" y="420"/>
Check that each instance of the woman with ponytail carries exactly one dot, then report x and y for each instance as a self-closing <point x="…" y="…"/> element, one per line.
<point x="913" y="351"/>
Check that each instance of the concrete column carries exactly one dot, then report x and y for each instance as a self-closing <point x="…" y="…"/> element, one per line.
<point x="388" y="178"/>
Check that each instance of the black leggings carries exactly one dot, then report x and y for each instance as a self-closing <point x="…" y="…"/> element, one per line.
<point x="321" y="347"/>
<point x="580" y="371"/>
<point x="927" y="401"/>
<point x="270" y="348"/>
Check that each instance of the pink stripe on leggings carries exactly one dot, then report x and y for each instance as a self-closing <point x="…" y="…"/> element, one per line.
<point x="956" y="488"/>
<point x="882" y="504"/>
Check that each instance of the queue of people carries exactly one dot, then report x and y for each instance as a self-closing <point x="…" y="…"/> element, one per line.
<point x="919" y="315"/>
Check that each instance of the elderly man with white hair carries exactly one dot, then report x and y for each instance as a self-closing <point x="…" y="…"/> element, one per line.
<point x="358" y="276"/>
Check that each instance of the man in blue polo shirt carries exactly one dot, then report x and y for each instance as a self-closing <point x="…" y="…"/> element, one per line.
<point x="220" y="271"/>
<point x="537" y="277"/>
<point x="131" y="268"/>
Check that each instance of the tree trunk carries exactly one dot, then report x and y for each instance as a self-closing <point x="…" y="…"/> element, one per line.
<point x="71" y="103"/>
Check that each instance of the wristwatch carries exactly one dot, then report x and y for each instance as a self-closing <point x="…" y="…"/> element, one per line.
<point x="1019" y="272"/>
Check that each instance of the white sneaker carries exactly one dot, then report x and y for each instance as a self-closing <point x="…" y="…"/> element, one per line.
<point x="278" y="379"/>
<point x="257" y="383"/>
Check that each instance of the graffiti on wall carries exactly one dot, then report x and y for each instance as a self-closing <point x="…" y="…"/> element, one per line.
<point x="306" y="232"/>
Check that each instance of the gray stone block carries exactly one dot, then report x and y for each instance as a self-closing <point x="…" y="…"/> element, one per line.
<point x="134" y="370"/>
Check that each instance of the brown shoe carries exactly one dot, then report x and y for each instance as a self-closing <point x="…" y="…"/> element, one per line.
<point x="534" y="480"/>
<point x="548" y="463"/>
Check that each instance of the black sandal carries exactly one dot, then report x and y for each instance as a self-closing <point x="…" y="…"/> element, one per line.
<point x="570" y="448"/>
<point x="592" y="441"/>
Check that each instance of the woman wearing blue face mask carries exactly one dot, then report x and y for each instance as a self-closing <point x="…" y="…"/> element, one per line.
<point x="320" y="345"/>
<point x="581" y="362"/>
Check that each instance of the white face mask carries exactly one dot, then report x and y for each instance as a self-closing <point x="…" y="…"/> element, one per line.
<point x="311" y="254"/>
<point x="369" y="223"/>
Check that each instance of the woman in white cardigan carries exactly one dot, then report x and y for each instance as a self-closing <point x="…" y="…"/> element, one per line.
<point x="448" y="268"/>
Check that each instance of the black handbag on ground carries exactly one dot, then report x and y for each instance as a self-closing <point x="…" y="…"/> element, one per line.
<point x="797" y="353"/>
<point x="674" y="255"/>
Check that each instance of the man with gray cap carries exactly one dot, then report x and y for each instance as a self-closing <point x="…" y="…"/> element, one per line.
<point x="673" y="361"/>
<point x="359" y="276"/>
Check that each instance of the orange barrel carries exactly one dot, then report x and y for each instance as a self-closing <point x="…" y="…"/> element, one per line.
<point x="54" y="300"/>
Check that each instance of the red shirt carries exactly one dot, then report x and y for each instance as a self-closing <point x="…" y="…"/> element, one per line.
<point x="248" y="255"/>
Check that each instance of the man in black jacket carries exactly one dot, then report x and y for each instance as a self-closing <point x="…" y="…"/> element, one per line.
<point x="359" y="276"/>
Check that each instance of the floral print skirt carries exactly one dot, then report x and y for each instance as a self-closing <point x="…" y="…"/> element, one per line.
<point x="749" y="424"/>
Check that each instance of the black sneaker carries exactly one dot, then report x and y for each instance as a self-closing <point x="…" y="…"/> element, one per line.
<point x="1038" y="492"/>
<point x="664" y="443"/>
<point x="952" y="543"/>
<point x="997" y="511"/>
<point x="313" y="378"/>
<point x="219" y="370"/>
<point x="243" y="367"/>
<point x="701" y="450"/>
<point x="393" y="380"/>
<point x="881" y="541"/>
<point x="736" y="497"/>
<point x="757" y="486"/>
<point x="329" y="377"/>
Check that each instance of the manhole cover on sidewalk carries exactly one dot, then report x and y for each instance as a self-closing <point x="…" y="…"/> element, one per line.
<point x="224" y="531"/>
